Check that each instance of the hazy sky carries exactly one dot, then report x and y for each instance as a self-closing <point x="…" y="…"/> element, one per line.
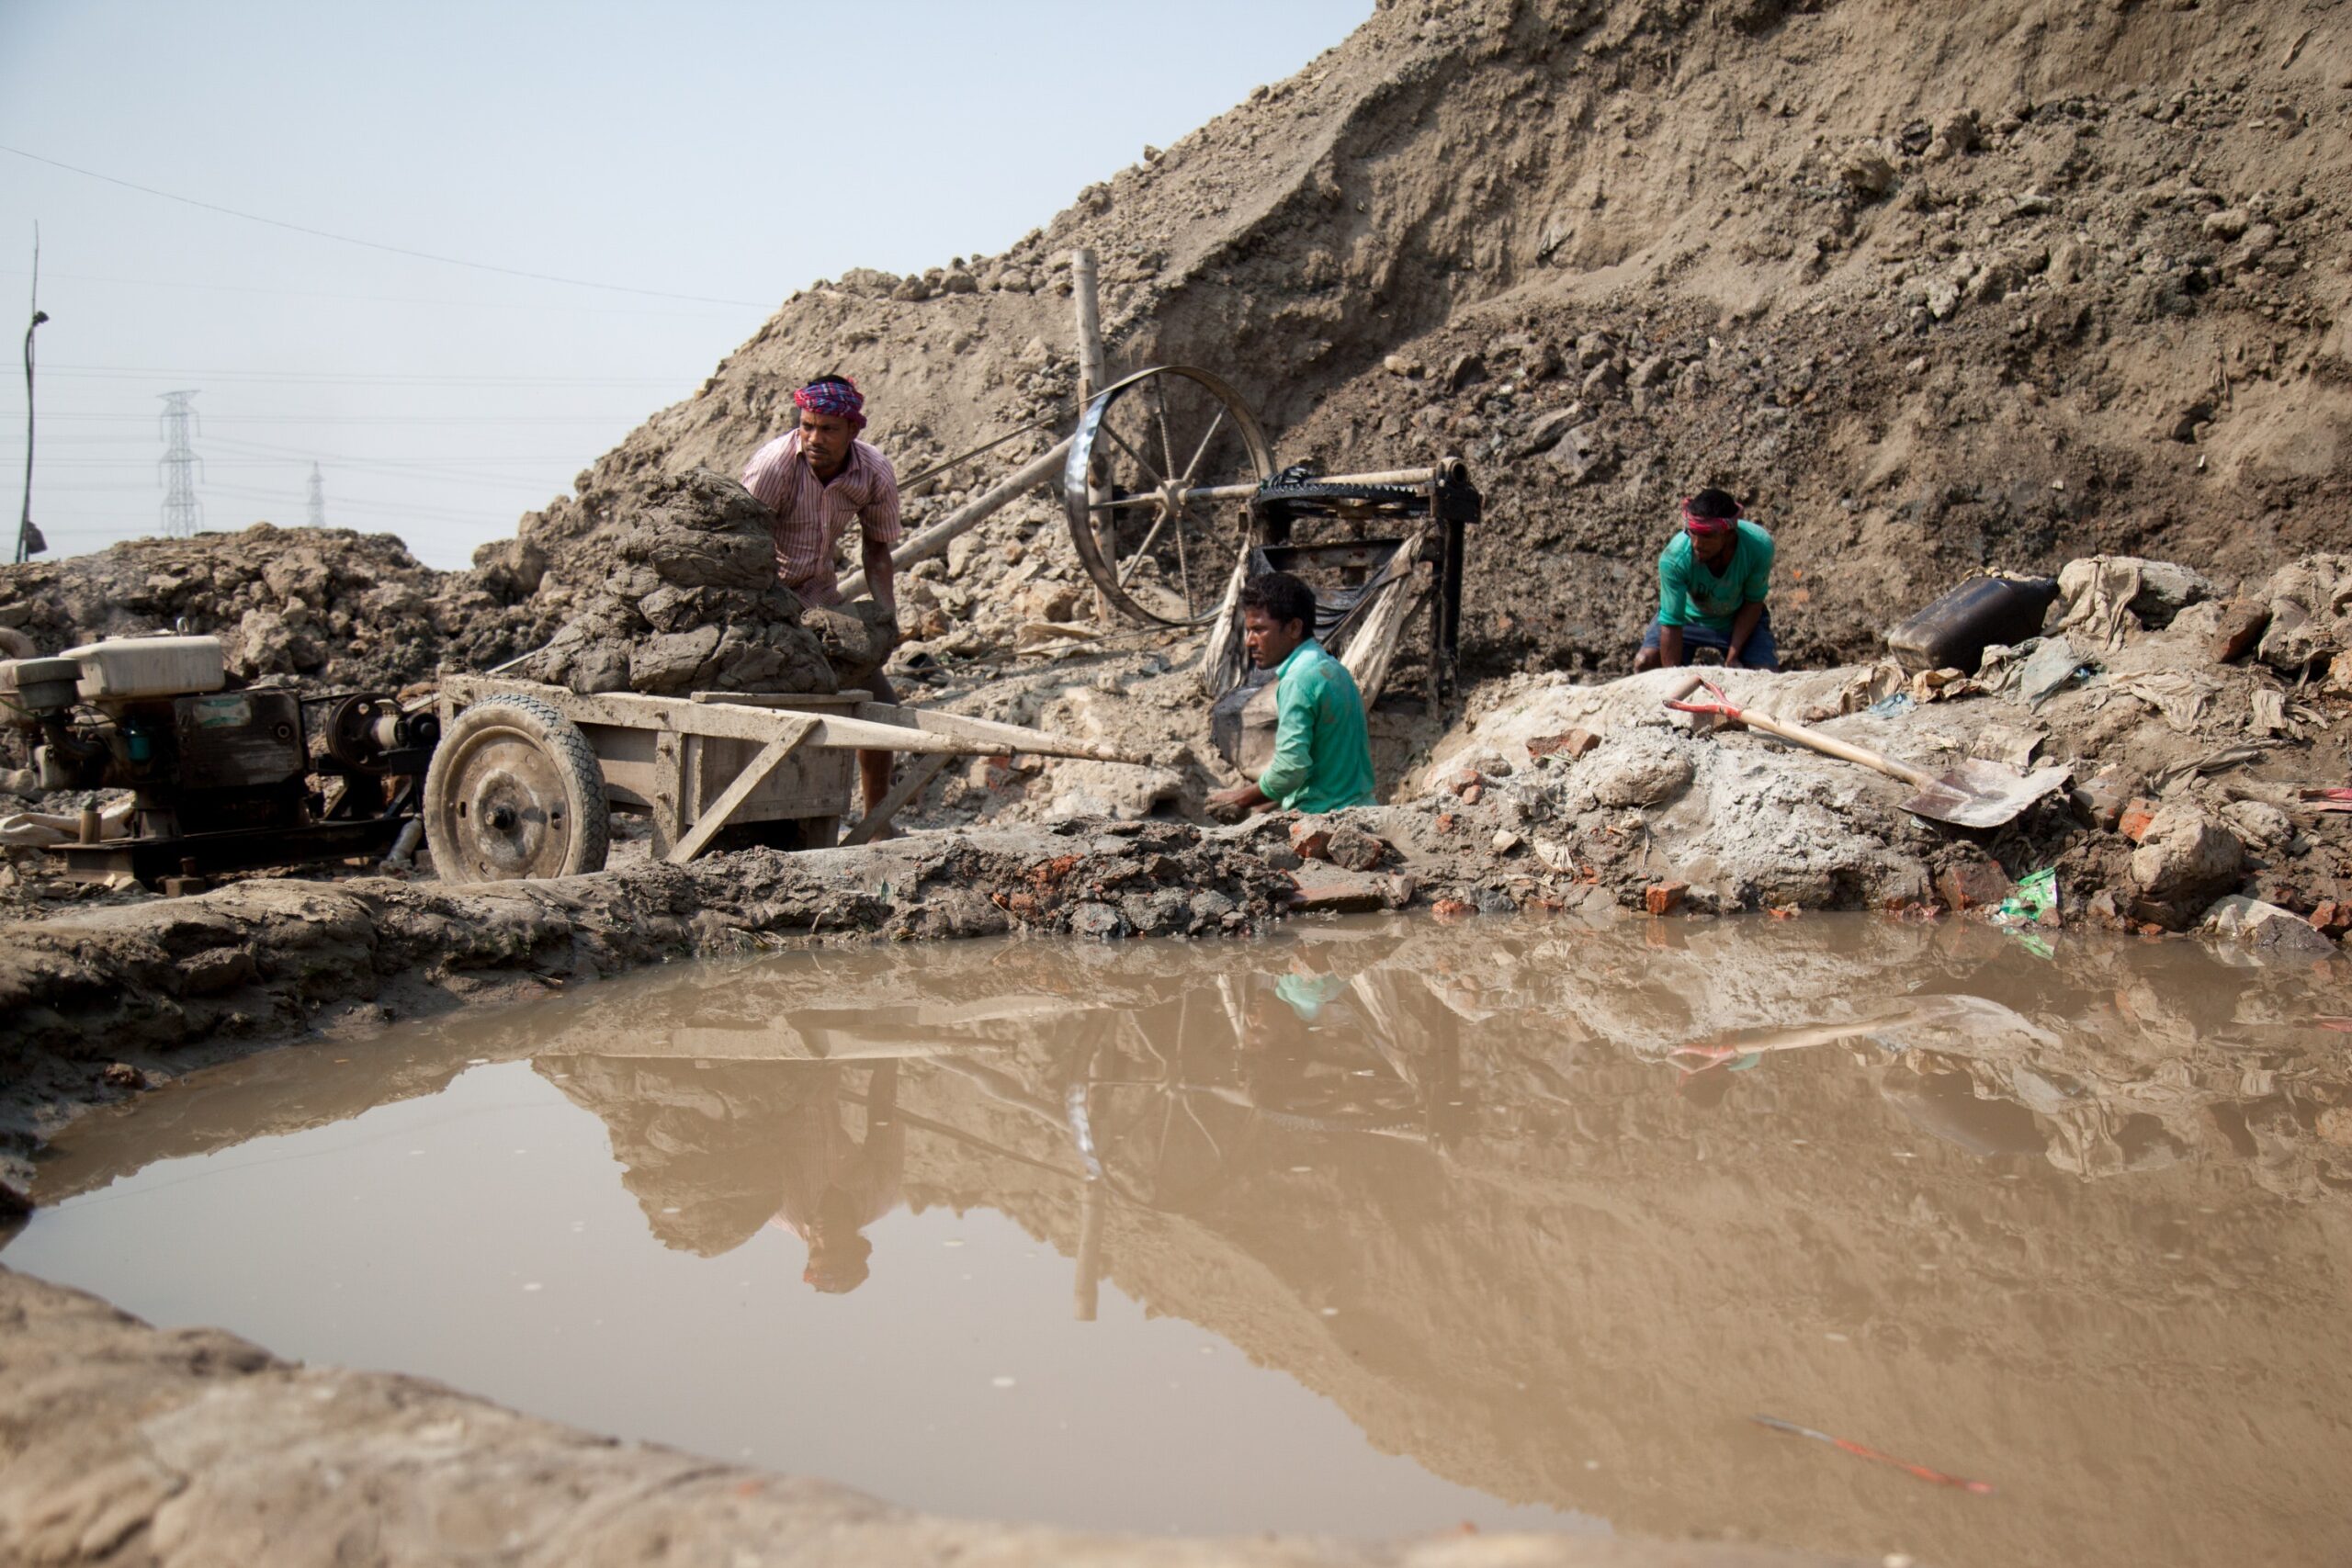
<point x="728" y="153"/>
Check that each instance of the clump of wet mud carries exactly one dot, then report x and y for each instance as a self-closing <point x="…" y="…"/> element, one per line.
<point x="668" y="587"/>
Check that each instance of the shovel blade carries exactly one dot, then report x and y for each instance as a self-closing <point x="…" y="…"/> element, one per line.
<point x="1983" y="794"/>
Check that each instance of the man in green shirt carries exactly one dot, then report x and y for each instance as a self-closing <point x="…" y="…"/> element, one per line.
<point x="1322" y="752"/>
<point x="1711" y="582"/>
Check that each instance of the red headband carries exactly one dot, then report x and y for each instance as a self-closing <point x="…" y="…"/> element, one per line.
<point x="1698" y="525"/>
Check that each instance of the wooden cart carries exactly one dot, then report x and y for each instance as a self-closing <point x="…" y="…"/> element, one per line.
<point x="525" y="776"/>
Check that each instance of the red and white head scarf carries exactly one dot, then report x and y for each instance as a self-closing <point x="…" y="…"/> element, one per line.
<point x="840" y="399"/>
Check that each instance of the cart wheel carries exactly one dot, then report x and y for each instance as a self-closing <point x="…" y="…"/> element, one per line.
<point x="1145" y="447"/>
<point x="514" y="791"/>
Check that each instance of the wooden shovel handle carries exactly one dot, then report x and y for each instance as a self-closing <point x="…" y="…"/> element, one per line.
<point x="1797" y="734"/>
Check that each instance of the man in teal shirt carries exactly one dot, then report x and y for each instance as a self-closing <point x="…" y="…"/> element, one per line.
<point x="1711" y="584"/>
<point x="1322" y="752"/>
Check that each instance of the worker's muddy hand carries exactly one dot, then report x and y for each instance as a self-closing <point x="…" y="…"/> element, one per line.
<point x="1233" y="804"/>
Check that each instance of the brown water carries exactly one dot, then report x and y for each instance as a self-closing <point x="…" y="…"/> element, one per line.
<point x="1374" y="1228"/>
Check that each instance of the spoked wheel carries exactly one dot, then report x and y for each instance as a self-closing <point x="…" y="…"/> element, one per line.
<point x="1157" y="456"/>
<point x="514" y="791"/>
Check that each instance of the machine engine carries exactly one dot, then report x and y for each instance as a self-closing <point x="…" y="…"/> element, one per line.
<point x="221" y="780"/>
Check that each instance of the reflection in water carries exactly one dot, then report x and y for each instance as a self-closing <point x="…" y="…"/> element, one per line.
<point x="1556" y="1211"/>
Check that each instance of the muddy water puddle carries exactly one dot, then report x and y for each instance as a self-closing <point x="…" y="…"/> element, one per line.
<point x="1375" y="1228"/>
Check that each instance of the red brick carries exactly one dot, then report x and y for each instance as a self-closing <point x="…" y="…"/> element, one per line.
<point x="1664" y="897"/>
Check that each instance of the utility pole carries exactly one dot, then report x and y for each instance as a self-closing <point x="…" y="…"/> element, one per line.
<point x="318" y="498"/>
<point x="28" y="540"/>
<point x="182" y="510"/>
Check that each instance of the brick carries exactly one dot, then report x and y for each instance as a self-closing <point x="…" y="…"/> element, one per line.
<point x="1569" y="744"/>
<point x="1338" y="893"/>
<point x="1664" y="897"/>
<point x="2242" y="624"/>
<point x="2134" y="823"/>
<point x="1309" y="839"/>
<point x="1971" y="883"/>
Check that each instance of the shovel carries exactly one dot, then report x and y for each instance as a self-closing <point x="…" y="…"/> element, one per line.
<point x="1973" y="795"/>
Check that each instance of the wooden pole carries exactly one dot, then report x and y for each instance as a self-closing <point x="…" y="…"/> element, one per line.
<point x="968" y="516"/>
<point x="1091" y="378"/>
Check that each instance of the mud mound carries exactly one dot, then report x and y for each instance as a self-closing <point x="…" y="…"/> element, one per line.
<point x="326" y="605"/>
<point x="668" y="586"/>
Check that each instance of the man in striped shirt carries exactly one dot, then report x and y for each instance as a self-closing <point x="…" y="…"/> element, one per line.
<point x="817" y="480"/>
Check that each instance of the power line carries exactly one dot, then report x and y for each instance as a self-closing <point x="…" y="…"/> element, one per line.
<point x="359" y="299"/>
<point x="632" y="419"/>
<point x="318" y="498"/>
<point x="372" y="244"/>
<point x="365" y="377"/>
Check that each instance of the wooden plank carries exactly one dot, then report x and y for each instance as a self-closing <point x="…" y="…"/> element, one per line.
<point x="669" y="789"/>
<point x="996" y="737"/>
<point x="788" y="699"/>
<point x="910" y="785"/>
<point x="749" y="779"/>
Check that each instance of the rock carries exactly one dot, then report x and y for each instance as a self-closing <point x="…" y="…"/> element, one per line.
<point x="1603" y="379"/>
<point x="1651" y="372"/>
<point x="1310" y="839"/>
<point x="1547" y="430"/>
<point x="1583" y="456"/>
<point x="1595" y="348"/>
<point x="1867" y="173"/>
<point x="1632" y="775"/>
<point x="1464" y="370"/>
<point x="1354" y="849"/>
<point x="2332" y="920"/>
<point x="1569" y="744"/>
<point x="1504" y="841"/>
<point x="1664" y="897"/>
<point x="2258" y="822"/>
<point x="1165" y="912"/>
<point x="1956" y="133"/>
<point x="1399" y="364"/>
<point x="1097" y="922"/>
<point x="2226" y="224"/>
<point x="1110" y="789"/>
<point x="2134" y="819"/>
<point x="2265" y="927"/>
<point x="2185" y="861"/>
<point x="960" y="282"/>
<point x="1210" y="907"/>
<point x="122" y="1074"/>
<point x="217" y="970"/>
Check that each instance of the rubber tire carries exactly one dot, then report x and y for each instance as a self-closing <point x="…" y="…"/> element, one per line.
<point x="566" y="750"/>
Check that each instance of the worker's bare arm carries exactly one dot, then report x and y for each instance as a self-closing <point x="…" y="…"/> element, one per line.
<point x="1742" y="627"/>
<point x="881" y="576"/>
